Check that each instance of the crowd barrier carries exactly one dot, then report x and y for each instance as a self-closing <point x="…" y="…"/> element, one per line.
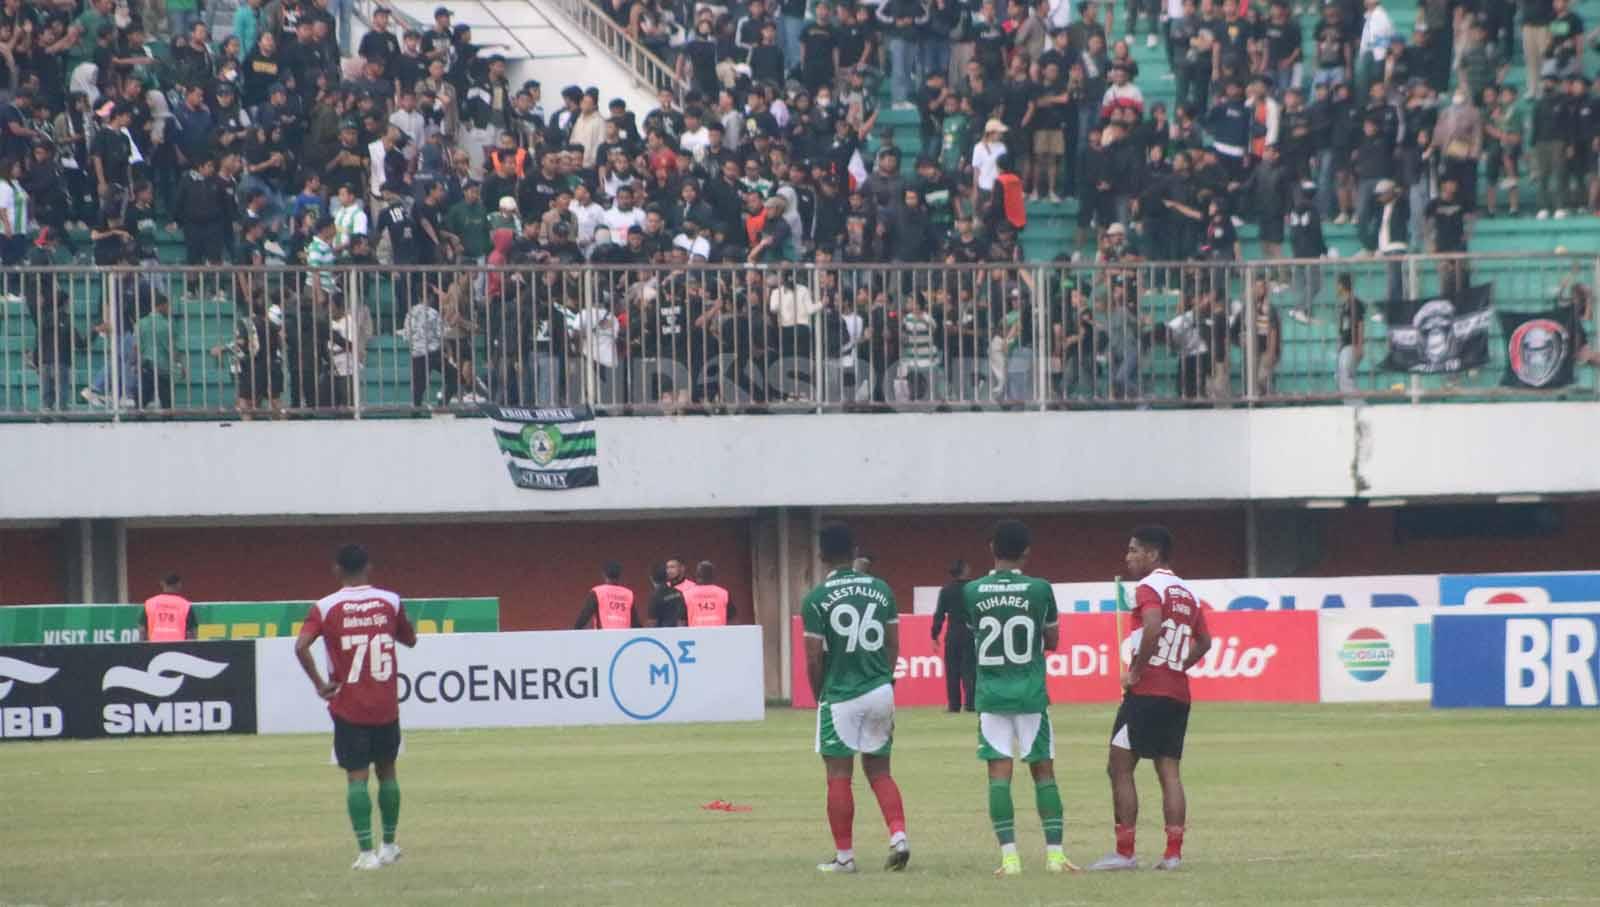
<point x="353" y="339"/>
<point x="447" y="681"/>
<point x="22" y="625"/>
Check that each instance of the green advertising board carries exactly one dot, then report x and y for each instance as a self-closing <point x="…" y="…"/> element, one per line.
<point x="25" y="625"/>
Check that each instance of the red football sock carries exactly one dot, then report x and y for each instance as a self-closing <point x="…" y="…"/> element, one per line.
<point x="1125" y="840"/>
<point x="894" y="812"/>
<point x="1174" y="841"/>
<point x="841" y="811"/>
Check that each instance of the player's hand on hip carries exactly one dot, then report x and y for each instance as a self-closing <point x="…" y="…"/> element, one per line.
<point x="1130" y="679"/>
<point x="329" y="690"/>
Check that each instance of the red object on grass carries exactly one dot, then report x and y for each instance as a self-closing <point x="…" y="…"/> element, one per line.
<point x="723" y="806"/>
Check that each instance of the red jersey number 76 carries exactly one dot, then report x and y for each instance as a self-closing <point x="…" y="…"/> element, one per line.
<point x="380" y="661"/>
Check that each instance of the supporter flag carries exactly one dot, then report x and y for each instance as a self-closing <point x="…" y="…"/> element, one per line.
<point x="1540" y="347"/>
<point x="547" y="449"/>
<point x="1432" y="336"/>
<point x="857" y="168"/>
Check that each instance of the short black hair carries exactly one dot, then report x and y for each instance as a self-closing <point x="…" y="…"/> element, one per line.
<point x="958" y="567"/>
<point x="1156" y="537"/>
<point x="611" y="570"/>
<point x="352" y="559"/>
<point x="705" y="571"/>
<point x="836" y="543"/>
<point x="172" y="579"/>
<point x="1010" y="540"/>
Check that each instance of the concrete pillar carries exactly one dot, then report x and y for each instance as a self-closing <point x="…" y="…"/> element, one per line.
<point x="95" y="561"/>
<point x="782" y="545"/>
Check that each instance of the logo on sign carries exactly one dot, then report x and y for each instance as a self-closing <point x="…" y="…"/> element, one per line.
<point x="13" y="670"/>
<point x="21" y="722"/>
<point x="163" y="678"/>
<point x="1367" y="654"/>
<point x="644" y="676"/>
<point x="1508" y="597"/>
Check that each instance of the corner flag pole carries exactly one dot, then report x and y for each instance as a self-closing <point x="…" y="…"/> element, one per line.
<point x="1122" y="606"/>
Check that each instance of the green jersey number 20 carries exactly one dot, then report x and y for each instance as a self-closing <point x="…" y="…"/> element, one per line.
<point x="1013" y="638"/>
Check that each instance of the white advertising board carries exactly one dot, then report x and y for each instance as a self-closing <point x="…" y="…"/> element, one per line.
<point x="546" y="678"/>
<point x="1280" y="594"/>
<point x="1376" y="656"/>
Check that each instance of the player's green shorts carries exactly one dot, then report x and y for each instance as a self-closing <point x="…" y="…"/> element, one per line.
<point x="862" y="725"/>
<point x="1026" y="736"/>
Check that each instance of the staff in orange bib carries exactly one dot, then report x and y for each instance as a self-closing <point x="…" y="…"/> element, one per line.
<point x="608" y="606"/>
<point x="168" y="617"/>
<point x="706" y="602"/>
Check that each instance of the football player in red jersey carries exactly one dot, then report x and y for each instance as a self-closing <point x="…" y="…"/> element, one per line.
<point x="1170" y="636"/>
<point x="360" y="625"/>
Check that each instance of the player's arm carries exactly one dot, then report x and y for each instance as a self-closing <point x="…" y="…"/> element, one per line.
<point x="1150" y="623"/>
<point x="634" y="619"/>
<point x="1050" y="620"/>
<point x="941" y="612"/>
<point x="404" y="633"/>
<point x="191" y="626"/>
<point x="1199" y="645"/>
<point x="302" y="651"/>
<point x="144" y="624"/>
<point x="731" y="611"/>
<point x="814" y="665"/>
<point x="586" y="614"/>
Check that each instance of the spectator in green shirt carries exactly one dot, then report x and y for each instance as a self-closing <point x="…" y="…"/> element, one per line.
<point x="1502" y="148"/>
<point x="87" y="31"/>
<point x="157" y="361"/>
<point x="467" y="222"/>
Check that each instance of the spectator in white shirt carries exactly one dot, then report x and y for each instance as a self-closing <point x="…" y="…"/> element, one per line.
<point x="378" y="152"/>
<point x="622" y="216"/>
<point x="696" y="137"/>
<point x="986" y="156"/>
<point x="587" y="213"/>
<point x="1377" y="33"/>
<point x="409" y="120"/>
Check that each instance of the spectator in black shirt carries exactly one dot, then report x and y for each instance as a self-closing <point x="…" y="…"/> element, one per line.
<point x="1447" y="227"/>
<point x="378" y="44"/>
<point x="666" y="602"/>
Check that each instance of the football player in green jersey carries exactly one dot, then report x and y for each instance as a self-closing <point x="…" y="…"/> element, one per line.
<point x="852" y="644"/>
<point x="1013" y="621"/>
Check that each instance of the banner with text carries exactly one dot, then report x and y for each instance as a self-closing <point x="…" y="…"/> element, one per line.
<point x="542" y="678"/>
<point x="1520" y="590"/>
<point x="22" y="625"/>
<point x="1376" y="656"/>
<point x="1255" y="657"/>
<point x="127" y="690"/>
<point x="1273" y="594"/>
<point x="1525" y="660"/>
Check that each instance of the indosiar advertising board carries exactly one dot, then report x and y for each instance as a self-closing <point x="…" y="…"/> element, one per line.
<point x="127" y="690"/>
<point x="543" y="678"/>
<point x="1524" y="660"/>
<point x="1375" y="656"/>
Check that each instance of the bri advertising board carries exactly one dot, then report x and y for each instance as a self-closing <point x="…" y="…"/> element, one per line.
<point x="541" y="678"/>
<point x="1539" y="660"/>
<point x="1254" y="658"/>
<point x="1279" y="594"/>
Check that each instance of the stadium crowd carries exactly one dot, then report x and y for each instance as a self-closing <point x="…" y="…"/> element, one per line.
<point x="270" y="148"/>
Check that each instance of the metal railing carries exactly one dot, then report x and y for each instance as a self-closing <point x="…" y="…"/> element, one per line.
<point x="649" y="71"/>
<point x="367" y="340"/>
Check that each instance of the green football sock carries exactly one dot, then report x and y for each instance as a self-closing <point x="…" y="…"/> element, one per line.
<point x="1048" y="797"/>
<point x="389" y="807"/>
<point x="359" y="802"/>
<point x="1000" y="813"/>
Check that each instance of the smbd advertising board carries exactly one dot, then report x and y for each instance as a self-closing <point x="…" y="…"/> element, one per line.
<point x="1255" y="657"/>
<point x="1280" y="594"/>
<point x="126" y="690"/>
<point x="1522" y="660"/>
<point x="541" y="678"/>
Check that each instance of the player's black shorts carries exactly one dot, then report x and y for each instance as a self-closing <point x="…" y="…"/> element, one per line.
<point x="357" y="746"/>
<point x="1151" y="726"/>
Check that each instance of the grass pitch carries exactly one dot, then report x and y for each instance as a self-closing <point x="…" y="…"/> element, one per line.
<point x="1308" y="804"/>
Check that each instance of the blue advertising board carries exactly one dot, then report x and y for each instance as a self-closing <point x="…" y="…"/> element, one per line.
<point x="1519" y="590"/>
<point x="1523" y="660"/>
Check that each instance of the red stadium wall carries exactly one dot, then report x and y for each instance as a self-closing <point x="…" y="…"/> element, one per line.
<point x="31" y="567"/>
<point x="1364" y="540"/>
<point x="539" y="571"/>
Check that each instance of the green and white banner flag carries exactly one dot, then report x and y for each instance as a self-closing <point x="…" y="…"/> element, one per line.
<point x="549" y="449"/>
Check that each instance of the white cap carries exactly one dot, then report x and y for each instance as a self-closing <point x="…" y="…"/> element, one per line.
<point x="507" y="203"/>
